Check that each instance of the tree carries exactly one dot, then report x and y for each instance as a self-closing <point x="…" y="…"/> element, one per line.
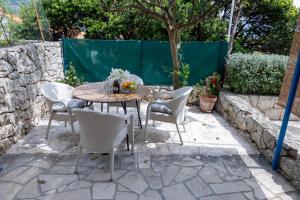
<point x="175" y="15"/>
<point x="266" y="26"/>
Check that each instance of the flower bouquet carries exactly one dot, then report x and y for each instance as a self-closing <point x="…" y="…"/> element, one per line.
<point x="116" y="78"/>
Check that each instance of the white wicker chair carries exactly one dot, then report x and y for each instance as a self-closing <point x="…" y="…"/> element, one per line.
<point x="60" y="102"/>
<point x="171" y="111"/>
<point x="102" y="132"/>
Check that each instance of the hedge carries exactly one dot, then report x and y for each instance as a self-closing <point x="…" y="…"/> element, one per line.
<point x="256" y="73"/>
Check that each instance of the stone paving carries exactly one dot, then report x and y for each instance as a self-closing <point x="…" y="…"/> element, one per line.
<point x="216" y="162"/>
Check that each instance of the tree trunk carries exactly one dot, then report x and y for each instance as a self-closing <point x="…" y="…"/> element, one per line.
<point x="235" y="20"/>
<point x="174" y="54"/>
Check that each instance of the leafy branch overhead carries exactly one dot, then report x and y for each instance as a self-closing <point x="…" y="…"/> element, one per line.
<point x="176" y="15"/>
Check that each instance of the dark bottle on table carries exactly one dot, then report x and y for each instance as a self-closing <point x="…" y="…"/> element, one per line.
<point x="116" y="87"/>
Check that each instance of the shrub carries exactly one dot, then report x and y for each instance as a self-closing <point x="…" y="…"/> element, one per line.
<point x="255" y="73"/>
<point x="71" y="77"/>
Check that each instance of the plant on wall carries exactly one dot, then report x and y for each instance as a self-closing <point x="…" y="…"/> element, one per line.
<point x="71" y="77"/>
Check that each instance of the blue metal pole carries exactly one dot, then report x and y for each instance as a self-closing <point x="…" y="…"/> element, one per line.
<point x="287" y="114"/>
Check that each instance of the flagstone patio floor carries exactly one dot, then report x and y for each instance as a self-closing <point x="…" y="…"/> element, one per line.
<point x="216" y="162"/>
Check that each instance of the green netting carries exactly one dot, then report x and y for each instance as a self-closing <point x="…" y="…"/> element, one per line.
<point x="151" y="60"/>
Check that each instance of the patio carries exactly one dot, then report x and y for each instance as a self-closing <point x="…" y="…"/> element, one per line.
<point x="216" y="161"/>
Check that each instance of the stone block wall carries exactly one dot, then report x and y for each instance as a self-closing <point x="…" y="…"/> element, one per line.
<point x="22" y="71"/>
<point x="262" y="132"/>
<point x="268" y="105"/>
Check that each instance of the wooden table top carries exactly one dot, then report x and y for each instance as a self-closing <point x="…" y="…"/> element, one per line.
<point x="95" y="92"/>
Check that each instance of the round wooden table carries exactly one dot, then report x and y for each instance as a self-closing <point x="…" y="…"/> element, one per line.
<point x="95" y="92"/>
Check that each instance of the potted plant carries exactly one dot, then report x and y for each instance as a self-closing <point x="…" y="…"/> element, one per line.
<point x="208" y="91"/>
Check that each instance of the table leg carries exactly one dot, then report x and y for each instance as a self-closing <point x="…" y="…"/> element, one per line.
<point x="138" y="111"/>
<point x="125" y="111"/>
<point x="101" y="107"/>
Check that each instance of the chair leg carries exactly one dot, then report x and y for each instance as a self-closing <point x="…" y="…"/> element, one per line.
<point x="49" y="124"/>
<point x="145" y="130"/>
<point x="112" y="160"/>
<point x="179" y="134"/>
<point x="131" y="134"/>
<point x="118" y="109"/>
<point x="153" y="123"/>
<point x="183" y="127"/>
<point x="71" y="121"/>
<point x="77" y="160"/>
<point x="66" y="124"/>
<point x="107" y="108"/>
<point x="72" y="127"/>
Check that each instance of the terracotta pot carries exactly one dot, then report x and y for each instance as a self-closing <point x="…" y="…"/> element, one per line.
<point x="207" y="103"/>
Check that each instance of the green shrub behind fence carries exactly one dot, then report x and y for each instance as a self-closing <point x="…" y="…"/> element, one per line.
<point x="151" y="60"/>
<point x="256" y="73"/>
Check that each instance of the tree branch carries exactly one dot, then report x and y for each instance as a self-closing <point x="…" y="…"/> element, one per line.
<point x="212" y="9"/>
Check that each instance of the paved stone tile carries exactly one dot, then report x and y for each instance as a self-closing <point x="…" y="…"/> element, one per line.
<point x="78" y="184"/>
<point x="230" y="187"/>
<point x="185" y="173"/>
<point x="53" y="181"/>
<point x="14" y="173"/>
<point x="189" y="162"/>
<point x="60" y="169"/>
<point x="8" y="190"/>
<point x="134" y="181"/>
<point x="168" y="174"/>
<point x="122" y="188"/>
<point x="260" y="191"/>
<point x="290" y="196"/>
<point x="275" y="183"/>
<point x="210" y="175"/>
<point x="25" y="176"/>
<point x="45" y="162"/>
<point x="104" y="175"/>
<point x="236" y="166"/>
<point x="126" y="196"/>
<point x="198" y="187"/>
<point x="236" y="196"/>
<point x="150" y="172"/>
<point x="177" y="192"/>
<point x="104" y="190"/>
<point x="144" y="161"/>
<point x="154" y="182"/>
<point x="30" y="190"/>
<point x="150" y="195"/>
<point x="79" y="194"/>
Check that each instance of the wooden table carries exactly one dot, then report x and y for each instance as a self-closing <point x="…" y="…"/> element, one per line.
<point x="95" y="92"/>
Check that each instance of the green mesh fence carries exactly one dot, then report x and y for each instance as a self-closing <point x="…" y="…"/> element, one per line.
<point x="151" y="60"/>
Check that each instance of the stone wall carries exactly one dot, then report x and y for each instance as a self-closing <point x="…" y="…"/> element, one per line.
<point x="22" y="70"/>
<point x="268" y="105"/>
<point x="262" y="132"/>
<point x="161" y="92"/>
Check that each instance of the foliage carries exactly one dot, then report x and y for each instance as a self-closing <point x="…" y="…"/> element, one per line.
<point x="256" y="73"/>
<point x="213" y="84"/>
<point x="71" y="77"/>
<point x="28" y="29"/>
<point x="265" y="25"/>
<point x="210" y="87"/>
<point x="184" y="74"/>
